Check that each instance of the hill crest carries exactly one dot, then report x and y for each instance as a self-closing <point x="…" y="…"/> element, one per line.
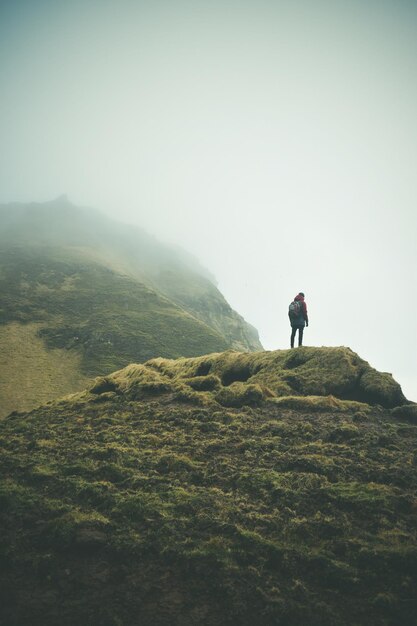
<point x="286" y="377"/>
<point x="192" y="492"/>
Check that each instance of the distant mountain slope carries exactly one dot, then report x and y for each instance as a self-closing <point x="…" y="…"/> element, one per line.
<point x="82" y="313"/>
<point x="130" y="250"/>
<point x="202" y="298"/>
<point x="214" y="491"/>
<point x="95" y="292"/>
<point x="112" y="318"/>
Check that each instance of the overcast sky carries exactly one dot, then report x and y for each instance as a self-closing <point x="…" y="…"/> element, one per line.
<point x="274" y="140"/>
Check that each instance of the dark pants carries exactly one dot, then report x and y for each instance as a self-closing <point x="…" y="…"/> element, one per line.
<point x="300" y="335"/>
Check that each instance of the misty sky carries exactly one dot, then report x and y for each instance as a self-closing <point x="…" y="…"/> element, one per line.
<point x="274" y="140"/>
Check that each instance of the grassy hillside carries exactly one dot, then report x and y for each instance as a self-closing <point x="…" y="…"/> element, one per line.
<point x="94" y="319"/>
<point x="80" y="289"/>
<point x="112" y="318"/>
<point x="131" y="251"/>
<point x="201" y="298"/>
<point x="224" y="489"/>
<point x="31" y="374"/>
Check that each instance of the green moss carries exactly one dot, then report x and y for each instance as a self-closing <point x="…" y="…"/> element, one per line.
<point x="102" y="385"/>
<point x="380" y="388"/>
<point x="184" y="394"/>
<point x="163" y="504"/>
<point x="43" y="471"/>
<point x="78" y="528"/>
<point x="140" y="505"/>
<point x="319" y="403"/>
<point x="238" y="395"/>
<point x="325" y="376"/>
<point x="204" y="383"/>
<point x="407" y="412"/>
<point x="361" y="494"/>
<point x="345" y="433"/>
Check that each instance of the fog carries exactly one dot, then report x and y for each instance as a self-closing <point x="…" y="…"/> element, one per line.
<point x="276" y="141"/>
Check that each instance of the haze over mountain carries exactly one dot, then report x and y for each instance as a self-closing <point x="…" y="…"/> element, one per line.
<point x="275" y="140"/>
<point x="84" y="295"/>
<point x="173" y="473"/>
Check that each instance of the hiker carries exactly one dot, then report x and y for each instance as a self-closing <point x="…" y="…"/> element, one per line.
<point x="297" y="313"/>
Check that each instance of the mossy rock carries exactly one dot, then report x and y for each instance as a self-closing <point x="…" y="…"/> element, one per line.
<point x="204" y="383"/>
<point x="319" y="403"/>
<point x="407" y="412"/>
<point x="380" y="388"/>
<point x="102" y="385"/>
<point x="333" y="374"/>
<point x="237" y="395"/>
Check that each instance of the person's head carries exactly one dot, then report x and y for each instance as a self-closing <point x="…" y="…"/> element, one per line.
<point x="301" y="294"/>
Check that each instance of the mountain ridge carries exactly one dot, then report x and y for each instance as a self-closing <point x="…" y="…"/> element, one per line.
<point x="123" y="247"/>
<point x="99" y="289"/>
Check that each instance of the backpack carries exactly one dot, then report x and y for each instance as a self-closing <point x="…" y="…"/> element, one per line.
<point x="294" y="309"/>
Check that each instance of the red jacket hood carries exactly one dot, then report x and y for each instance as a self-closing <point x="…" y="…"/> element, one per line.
<point x="299" y="298"/>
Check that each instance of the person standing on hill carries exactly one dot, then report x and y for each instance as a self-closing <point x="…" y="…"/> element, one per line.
<point x="297" y="312"/>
